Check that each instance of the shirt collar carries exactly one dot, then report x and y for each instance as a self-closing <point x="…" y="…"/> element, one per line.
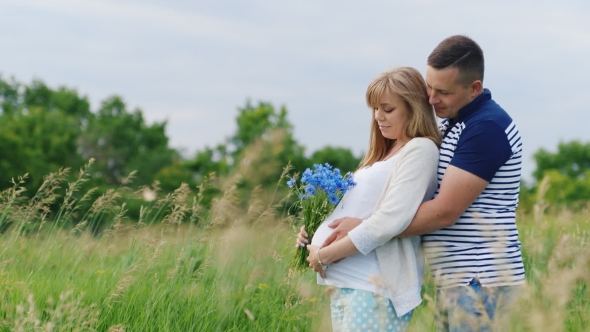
<point x="473" y="106"/>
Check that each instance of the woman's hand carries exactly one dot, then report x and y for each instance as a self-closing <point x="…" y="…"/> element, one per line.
<point x="341" y="228"/>
<point x="301" y="238"/>
<point x="314" y="260"/>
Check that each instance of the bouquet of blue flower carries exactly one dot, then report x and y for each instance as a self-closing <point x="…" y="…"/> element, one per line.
<point x="318" y="192"/>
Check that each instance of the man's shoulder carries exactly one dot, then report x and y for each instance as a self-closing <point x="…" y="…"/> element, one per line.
<point x="490" y="114"/>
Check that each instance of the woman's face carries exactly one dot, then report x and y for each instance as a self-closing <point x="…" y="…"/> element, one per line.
<point x="391" y="116"/>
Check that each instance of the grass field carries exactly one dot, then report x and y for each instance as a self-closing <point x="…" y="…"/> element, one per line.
<point x="224" y="270"/>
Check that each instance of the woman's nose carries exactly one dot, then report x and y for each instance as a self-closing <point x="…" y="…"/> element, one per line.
<point x="378" y="114"/>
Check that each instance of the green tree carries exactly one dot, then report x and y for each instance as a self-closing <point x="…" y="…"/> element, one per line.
<point x="210" y="160"/>
<point x="171" y="176"/>
<point x="565" y="190"/>
<point x="121" y="142"/>
<point x="43" y="129"/>
<point x="572" y="159"/>
<point x="566" y="173"/>
<point x="39" y="129"/>
<point x="261" y="146"/>
<point x="37" y="94"/>
<point x="341" y="158"/>
<point x="9" y="96"/>
<point x="37" y="142"/>
<point x="263" y="141"/>
<point x="257" y="123"/>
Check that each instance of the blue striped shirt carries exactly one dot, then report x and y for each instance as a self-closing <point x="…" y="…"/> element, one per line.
<point x="483" y="243"/>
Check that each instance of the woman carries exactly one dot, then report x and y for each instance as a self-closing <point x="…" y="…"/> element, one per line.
<point x="378" y="280"/>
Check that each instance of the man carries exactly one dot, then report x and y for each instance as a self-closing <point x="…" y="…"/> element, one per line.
<point x="469" y="228"/>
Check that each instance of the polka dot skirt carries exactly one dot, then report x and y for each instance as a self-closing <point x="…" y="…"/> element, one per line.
<point x="358" y="310"/>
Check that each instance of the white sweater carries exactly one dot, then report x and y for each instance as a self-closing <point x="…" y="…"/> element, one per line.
<point x="358" y="271"/>
<point x="412" y="180"/>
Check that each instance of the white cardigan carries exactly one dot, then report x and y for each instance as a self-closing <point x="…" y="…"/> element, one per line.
<point x="411" y="181"/>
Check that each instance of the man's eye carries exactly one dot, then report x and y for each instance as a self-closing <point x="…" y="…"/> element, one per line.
<point x="444" y="93"/>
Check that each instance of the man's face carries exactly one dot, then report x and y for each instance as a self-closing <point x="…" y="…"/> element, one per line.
<point x="446" y="94"/>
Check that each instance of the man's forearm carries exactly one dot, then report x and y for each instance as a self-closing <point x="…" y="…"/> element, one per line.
<point x="458" y="190"/>
<point x="429" y="218"/>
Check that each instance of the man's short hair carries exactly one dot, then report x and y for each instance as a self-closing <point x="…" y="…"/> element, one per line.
<point x="460" y="52"/>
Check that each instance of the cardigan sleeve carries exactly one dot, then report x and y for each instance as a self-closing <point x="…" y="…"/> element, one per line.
<point x="413" y="180"/>
<point x="362" y="240"/>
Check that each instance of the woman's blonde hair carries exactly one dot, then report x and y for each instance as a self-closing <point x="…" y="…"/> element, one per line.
<point x="409" y="84"/>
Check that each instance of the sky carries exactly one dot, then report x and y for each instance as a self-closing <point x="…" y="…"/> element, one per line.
<point x="194" y="63"/>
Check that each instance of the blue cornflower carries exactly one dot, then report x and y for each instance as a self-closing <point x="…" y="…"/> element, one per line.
<point x="330" y="185"/>
<point x="291" y="183"/>
<point x="307" y="174"/>
<point x="325" y="178"/>
<point x="350" y="179"/>
<point x="333" y="199"/>
<point x="323" y="184"/>
<point x="341" y="185"/>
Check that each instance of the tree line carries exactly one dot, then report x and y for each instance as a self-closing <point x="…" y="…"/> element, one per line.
<point x="44" y="129"/>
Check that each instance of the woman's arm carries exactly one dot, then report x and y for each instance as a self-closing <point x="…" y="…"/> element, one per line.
<point x="337" y="250"/>
<point x="414" y="180"/>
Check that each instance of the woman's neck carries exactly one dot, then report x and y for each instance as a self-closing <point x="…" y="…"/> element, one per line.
<point x="397" y="146"/>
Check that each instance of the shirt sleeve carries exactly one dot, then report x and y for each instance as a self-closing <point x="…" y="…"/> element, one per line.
<point x="482" y="149"/>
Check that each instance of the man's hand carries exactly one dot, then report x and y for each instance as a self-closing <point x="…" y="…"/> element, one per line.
<point x="341" y="228"/>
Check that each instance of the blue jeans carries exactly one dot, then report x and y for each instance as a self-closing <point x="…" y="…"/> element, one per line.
<point x="475" y="308"/>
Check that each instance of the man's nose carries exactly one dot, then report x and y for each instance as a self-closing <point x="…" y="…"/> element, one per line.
<point x="432" y="99"/>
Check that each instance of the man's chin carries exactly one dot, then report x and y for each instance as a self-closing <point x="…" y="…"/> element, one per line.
<point x="441" y="114"/>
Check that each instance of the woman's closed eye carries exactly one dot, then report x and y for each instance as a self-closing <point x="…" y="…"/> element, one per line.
<point x="385" y="110"/>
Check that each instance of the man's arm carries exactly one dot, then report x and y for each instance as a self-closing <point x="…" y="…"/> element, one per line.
<point x="458" y="190"/>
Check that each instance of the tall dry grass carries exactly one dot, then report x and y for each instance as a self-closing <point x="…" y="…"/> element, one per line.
<point x="556" y="254"/>
<point x="185" y="267"/>
<point x="180" y="267"/>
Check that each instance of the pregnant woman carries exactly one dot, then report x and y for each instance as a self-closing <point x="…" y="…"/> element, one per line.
<point x="378" y="278"/>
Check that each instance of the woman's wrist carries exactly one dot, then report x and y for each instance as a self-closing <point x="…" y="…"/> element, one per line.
<point x="324" y="265"/>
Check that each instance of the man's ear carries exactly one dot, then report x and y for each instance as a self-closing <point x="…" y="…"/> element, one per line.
<point x="476" y="88"/>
